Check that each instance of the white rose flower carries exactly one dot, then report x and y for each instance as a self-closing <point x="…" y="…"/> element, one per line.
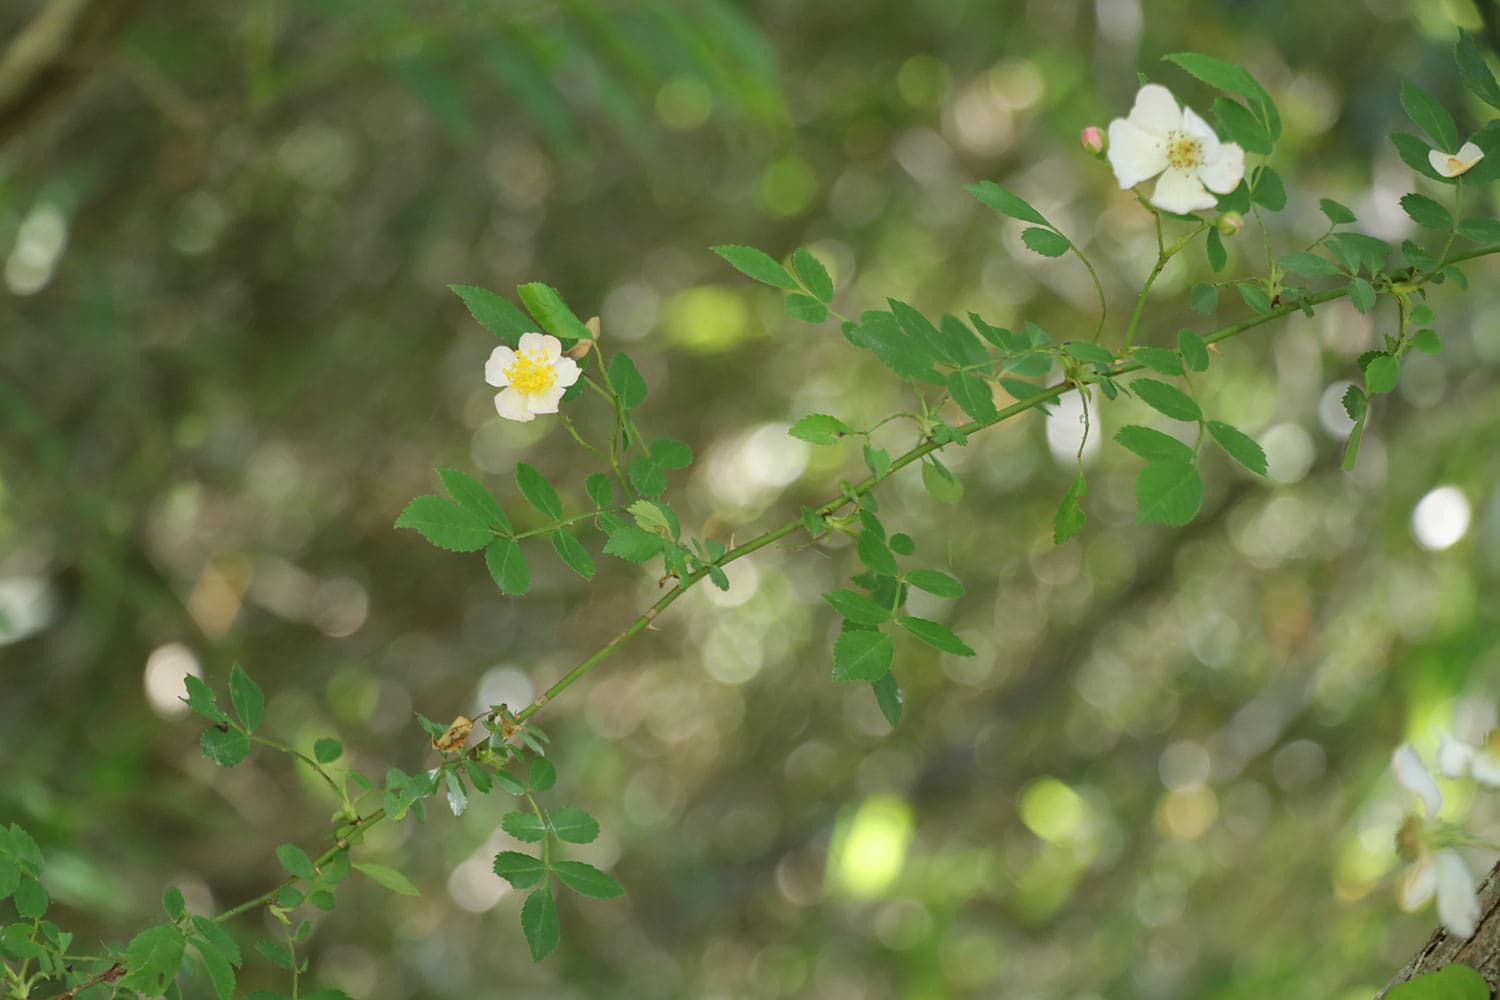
<point x="1161" y="138"/>
<point x="532" y="378"/>
<point x="1453" y="164"/>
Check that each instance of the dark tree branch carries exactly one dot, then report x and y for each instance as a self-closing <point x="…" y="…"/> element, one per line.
<point x="53" y="53"/>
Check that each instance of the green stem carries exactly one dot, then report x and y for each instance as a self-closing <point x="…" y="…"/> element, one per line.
<point x="310" y="762"/>
<point x="1163" y="255"/>
<point x="1098" y="288"/>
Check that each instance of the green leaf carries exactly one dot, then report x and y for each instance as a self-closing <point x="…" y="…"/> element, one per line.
<point x="813" y="275"/>
<point x="1255" y="296"/>
<point x="1269" y="190"/>
<point x="1366" y="250"/>
<point x="173" y="903"/>
<point x="935" y="582"/>
<point x="1475" y="72"/>
<point x="599" y="489"/>
<point x="387" y="878"/>
<point x="1000" y="200"/>
<point x="541" y="775"/>
<point x="574" y="826"/>
<point x="1194" y="350"/>
<point x="857" y="608"/>
<point x="1218" y="257"/>
<point x="30" y="899"/>
<point x="495" y="313"/>
<point x="909" y="356"/>
<point x="1092" y="353"/>
<point x="1045" y="241"/>
<point x="761" y="267"/>
<point x="522" y="871"/>
<point x="973" y="396"/>
<point x="552" y="313"/>
<point x="1413" y="152"/>
<point x="200" y="698"/>
<point x="1168" y="493"/>
<point x="888" y="698"/>
<point x="510" y="783"/>
<point x="1070" y="515"/>
<point x="862" y="655"/>
<point x="586" y="880"/>
<point x="646" y="476"/>
<point x="455" y="792"/>
<point x="1159" y="360"/>
<point x="10" y="876"/>
<point x="474" y="498"/>
<point x="651" y="515"/>
<point x="942" y="484"/>
<point x="1240" y="446"/>
<point x="1205" y="298"/>
<point x="1361" y="294"/>
<point x="539" y="923"/>
<point x="1311" y="265"/>
<point x="1382" y="374"/>
<point x="1480" y="230"/>
<point x="670" y="453"/>
<point x="217" y="936"/>
<point x="935" y="635"/>
<point x="1451" y="982"/>
<point x="626" y="381"/>
<point x="1429" y="116"/>
<point x="326" y="751"/>
<point x="875" y="554"/>
<point x="1238" y="124"/>
<point x="507" y="566"/>
<point x="1337" y="213"/>
<point x="152" y="959"/>
<point x="1232" y="80"/>
<point x="245" y="694"/>
<point x="296" y="861"/>
<point x="820" y="429"/>
<point x="1166" y="399"/>
<point x="1426" y="212"/>
<point x="445" y="525"/>
<point x="224" y="745"/>
<point x="633" y="544"/>
<point x="537" y="491"/>
<point x="571" y="551"/>
<point x="216" y="964"/>
<point x="1427" y="341"/>
<point x="1153" y="445"/>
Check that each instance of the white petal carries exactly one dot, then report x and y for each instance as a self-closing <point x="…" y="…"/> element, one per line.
<point x="1135" y="154"/>
<point x="536" y="343"/>
<point x="1180" y="191"/>
<point x="1413" y="776"/>
<point x="1199" y="129"/>
<point x="501" y="358"/>
<point x="1470" y="153"/>
<point x="1417" y="885"/>
<point x="1442" y="162"/>
<point x="545" y="401"/>
<point x="567" y="371"/>
<point x="511" y="405"/>
<point x="1457" y="905"/>
<point x="1453" y="756"/>
<point x="1453" y="164"/>
<point x="1485" y="767"/>
<point x="1221" y="174"/>
<point x="1156" y="110"/>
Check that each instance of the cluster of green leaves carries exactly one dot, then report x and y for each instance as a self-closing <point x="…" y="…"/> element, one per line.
<point x="549" y="829"/>
<point x="641" y="527"/>
<point x="32" y="948"/>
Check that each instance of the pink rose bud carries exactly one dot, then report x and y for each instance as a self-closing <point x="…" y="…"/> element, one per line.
<point x="1092" y="140"/>
<point x="1231" y="223"/>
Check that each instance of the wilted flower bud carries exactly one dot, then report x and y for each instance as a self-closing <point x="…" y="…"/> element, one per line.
<point x="1231" y="223"/>
<point x="1092" y="140"/>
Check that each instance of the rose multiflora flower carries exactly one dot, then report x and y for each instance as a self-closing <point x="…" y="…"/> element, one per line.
<point x="1457" y="759"/>
<point x="1453" y="164"/>
<point x="1161" y="138"/>
<point x="532" y="377"/>
<point x="1436" y="871"/>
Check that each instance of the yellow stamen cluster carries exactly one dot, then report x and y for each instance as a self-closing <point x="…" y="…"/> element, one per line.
<point x="1183" y="151"/>
<point x="531" y="373"/>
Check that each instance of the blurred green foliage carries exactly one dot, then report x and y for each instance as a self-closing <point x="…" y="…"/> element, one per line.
<point x="229" y="359"/>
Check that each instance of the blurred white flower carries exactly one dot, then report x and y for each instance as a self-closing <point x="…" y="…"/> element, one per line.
<point x="1453" y="164"/>
<point x="532" y="378"/>
<point x="1161" y="138"/>
<point x="1434" y="870"/>
<point x="1457" y="759"/>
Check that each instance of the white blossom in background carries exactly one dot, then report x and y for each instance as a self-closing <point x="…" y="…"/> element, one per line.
<point x="1457" y="759"/>
<point x="532" y="378"/>
<point x="1161" y="138"/>
<point x="1435" y="870"/>
<point x="1453" y="164"/>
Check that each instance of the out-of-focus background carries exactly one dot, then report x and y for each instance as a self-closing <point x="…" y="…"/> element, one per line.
<point x="229" y="359"/>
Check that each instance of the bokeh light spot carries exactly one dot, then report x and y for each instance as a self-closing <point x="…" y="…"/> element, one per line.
<point x="165" y="668"/>
<point x="1441" y="518"/>
<point x="869" y="848"/>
